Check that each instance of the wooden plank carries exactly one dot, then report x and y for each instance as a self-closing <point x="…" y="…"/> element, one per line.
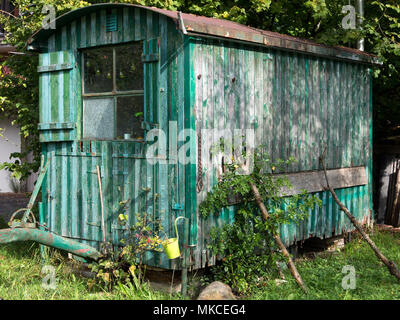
<point x="115" y="27"/>
<point x="314" y="181"/>
<point x="56" y="126"/>
<point x="151" y="57"/>
<point x="65" y="188"/>
<point x="92" y="30"/>
<point x="55" y="67"/>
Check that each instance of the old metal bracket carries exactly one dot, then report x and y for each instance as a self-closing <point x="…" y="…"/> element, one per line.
<point x="178" y="206"/>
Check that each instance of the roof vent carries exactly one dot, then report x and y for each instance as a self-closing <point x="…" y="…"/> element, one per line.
<point x="111" y="22"/>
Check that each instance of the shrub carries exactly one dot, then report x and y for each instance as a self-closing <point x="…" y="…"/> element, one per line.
<point x="244" y="249"/>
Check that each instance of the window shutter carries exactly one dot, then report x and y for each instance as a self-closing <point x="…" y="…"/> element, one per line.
<point x="58" y="91"/>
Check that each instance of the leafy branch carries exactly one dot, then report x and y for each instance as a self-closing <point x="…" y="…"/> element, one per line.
<point x="245" y="245"/>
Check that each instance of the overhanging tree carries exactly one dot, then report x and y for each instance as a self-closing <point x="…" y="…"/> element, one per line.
<point x="319" y="20"/>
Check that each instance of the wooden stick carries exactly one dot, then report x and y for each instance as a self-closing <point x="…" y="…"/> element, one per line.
<point x="101" y="203"/>
<point x="278" y="266"/>
<point x="277" y="238"/>
<point x="389" y="264"/>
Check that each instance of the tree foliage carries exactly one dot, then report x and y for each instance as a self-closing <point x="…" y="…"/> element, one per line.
<point x="382" y="32"/>
<point x="319" y="20"/>
<point x="19" y="85"/>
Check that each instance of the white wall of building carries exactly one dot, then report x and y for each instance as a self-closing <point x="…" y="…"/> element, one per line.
<point x="30" y="182"/>
<point x="10" y="141"/>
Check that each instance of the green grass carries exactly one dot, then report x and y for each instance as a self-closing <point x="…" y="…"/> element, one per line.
<point x="21" y="277"/>
<point x="323" y="275"/>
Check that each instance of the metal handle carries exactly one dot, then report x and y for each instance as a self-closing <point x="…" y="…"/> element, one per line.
<point x="176" y="228"/>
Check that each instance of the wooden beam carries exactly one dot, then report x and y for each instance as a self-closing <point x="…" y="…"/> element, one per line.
<point x="55" y="67"/>
<point x="56" y="126"/>
<point x="314" y="181"/>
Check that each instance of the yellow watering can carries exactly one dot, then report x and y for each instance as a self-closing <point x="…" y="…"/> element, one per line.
<point x="171" y="246"/>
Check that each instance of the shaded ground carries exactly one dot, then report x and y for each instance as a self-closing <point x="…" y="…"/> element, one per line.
<point x="9" y="202"/>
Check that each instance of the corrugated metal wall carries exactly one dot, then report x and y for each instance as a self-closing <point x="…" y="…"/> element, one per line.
<point x="130" y="185"/>
<point x="71" y="195"/>
<point x="90" y="30"/>
<point x="296" y="104"/>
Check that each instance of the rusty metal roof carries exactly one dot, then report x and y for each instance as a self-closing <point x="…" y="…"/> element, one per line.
<point x="228" y="30"/>
<point x="5" y="48"/>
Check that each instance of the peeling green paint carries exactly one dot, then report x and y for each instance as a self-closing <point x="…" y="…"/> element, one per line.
<point x="295" y="103"/>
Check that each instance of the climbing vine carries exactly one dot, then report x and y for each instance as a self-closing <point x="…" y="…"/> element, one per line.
<point x="244" y="248"/>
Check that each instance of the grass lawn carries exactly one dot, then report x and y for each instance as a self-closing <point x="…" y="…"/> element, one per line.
<point x="21" y="277"/>
<point x="323" y="275"/>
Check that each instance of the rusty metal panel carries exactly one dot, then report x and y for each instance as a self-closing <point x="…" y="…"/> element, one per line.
<point x="95" y="31"/>
<point x="296" y="104"/>
<point x="71" y="197"/>
<point x="71" y="192"/>
<point x="87" y="29"/>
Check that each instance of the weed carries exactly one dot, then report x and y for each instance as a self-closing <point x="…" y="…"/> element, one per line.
<point x="126" y="263"/>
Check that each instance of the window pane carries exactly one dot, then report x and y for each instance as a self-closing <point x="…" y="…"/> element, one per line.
<point x="98" y="118"/>
<point x="130" y="117"/>
<point x="129" y="63"/>
<point x="98" y="70"/>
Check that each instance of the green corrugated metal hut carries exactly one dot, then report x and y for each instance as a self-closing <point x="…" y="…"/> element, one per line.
<point x="110" y="73"/>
